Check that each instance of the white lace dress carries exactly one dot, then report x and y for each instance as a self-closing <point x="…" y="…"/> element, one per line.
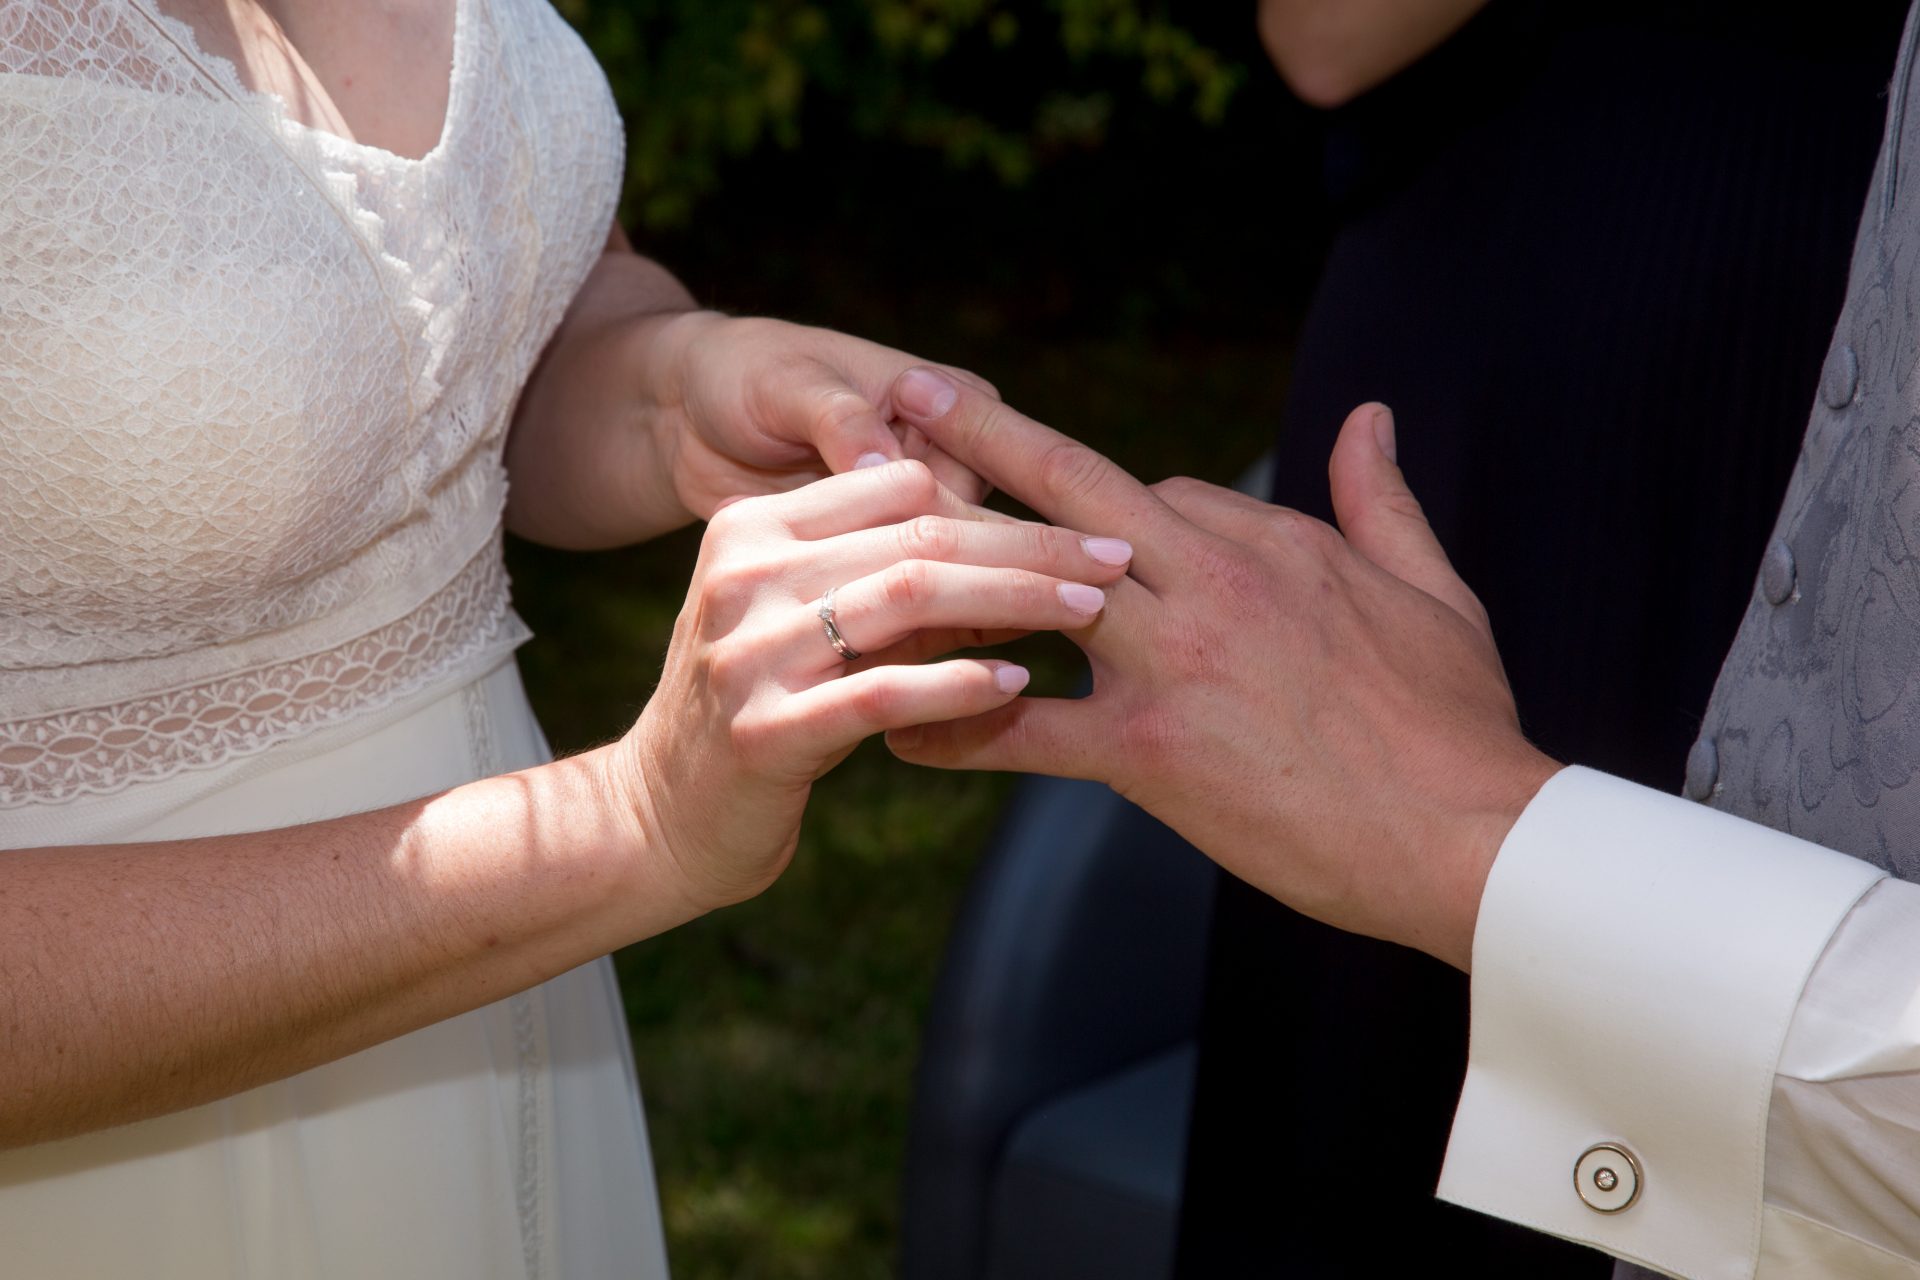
<point x="254" y="386"/>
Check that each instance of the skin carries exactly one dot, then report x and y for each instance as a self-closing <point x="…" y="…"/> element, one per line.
<point x="139" y="979"/>
<point x="1322" y="711"/>
<point x="1331" y="51"/>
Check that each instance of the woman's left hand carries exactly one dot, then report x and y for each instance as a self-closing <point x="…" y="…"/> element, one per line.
<point x="749" y="406"/>
<point x="645" y="413"/>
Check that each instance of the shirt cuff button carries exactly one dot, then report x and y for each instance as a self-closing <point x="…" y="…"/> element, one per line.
<point x="1607" y="1177"/>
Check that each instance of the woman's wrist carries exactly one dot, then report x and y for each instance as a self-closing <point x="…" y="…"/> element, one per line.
<point x="592" y="876"/>
<point x="662" y="347"/>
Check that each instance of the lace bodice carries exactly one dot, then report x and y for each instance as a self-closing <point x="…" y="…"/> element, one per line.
<point x="255" y="381"/>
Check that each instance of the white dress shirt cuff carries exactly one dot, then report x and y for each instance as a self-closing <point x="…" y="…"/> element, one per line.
<point x="1636" y="965"/>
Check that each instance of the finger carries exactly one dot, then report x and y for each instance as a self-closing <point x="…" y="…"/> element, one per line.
<point x="884" y="608"/>
<point x="969" y="377"/>
<point x="1060" y="478"/>
<point x="821" y="409"/>
<point x="1043" y="548"/>
<point x="1381" y="518"/>
<point x="1120" y="628"/>
<point x="923" y="646"/>
<point x="946" y="468"/>
<point x="1056" y="736"/>
<point x="835" y="714"/>
<point x="859" y="499"/>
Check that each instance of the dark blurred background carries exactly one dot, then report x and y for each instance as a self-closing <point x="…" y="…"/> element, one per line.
<point x="1114" y="215"/>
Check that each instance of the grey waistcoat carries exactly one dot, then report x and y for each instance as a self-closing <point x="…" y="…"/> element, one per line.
<point x="1814" y="726"/>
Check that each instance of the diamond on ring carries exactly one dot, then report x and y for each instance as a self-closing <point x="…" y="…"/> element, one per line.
<point x="834" y="638"/>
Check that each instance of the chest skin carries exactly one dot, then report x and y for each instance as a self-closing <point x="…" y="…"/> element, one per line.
<point x="373" y="71"/>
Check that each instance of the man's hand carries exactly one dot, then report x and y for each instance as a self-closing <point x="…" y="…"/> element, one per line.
<point x="1324" y="715"/>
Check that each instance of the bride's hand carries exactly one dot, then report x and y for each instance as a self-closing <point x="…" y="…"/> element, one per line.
<point x="748" y="406"/>
<point x="754" y="702"/>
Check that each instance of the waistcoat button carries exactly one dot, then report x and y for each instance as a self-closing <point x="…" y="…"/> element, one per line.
<point x="1703" y="769"/>
<point x="1776" y="573"/>
<point x="1841" y="377"/>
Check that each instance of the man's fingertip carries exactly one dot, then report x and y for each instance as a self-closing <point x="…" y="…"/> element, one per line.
<point x="1383" y="433"/>
<point x="905" y="739"/>
<point x="925" y="394"/>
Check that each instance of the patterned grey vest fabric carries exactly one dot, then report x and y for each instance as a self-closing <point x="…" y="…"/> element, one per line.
<point x="1814" y="726"/>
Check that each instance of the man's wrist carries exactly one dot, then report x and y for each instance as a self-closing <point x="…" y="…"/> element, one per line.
<point x="1483" y="830"/>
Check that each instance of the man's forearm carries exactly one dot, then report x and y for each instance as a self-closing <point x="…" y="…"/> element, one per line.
<point x="586" y="455"/>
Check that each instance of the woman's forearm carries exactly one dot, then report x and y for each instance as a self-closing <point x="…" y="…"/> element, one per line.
<point x="1330" y="51"/>
<point x="584" y="455"/>
<point x="139" y="979"/>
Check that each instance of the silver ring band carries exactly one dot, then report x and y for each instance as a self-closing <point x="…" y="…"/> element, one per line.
<point x="834" y="638"/>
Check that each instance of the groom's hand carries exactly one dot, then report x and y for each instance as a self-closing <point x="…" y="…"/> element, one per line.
<point x="1324" y="715"/>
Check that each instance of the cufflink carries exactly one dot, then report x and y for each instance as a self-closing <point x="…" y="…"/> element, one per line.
<point x="1607" y="1177"/>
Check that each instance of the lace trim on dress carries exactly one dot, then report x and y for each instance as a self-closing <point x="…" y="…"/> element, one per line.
<point x="99" y="750"/>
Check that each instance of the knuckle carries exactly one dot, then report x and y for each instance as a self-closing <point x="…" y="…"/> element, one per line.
<point x="731" y="671"/>
<point x="832" y="410"/>
<point x="876" y="702"/>
<point x="1152" y="735"/>
<point x="1231" y="572"/>
<point x="1042" y="545"/>
<point x="1176" y="489"/>
<point x="756" y="741"/>
<point x="929" y="538"/>
<point x="727" y="524"/>
<point x="916" y="482"/>
<point x="1068" y="470"/>
<point x="731" y="587"/>
<point x="1291" y="529"/>
<point x="1402" y="503"/>
<point x="906" y="587"/>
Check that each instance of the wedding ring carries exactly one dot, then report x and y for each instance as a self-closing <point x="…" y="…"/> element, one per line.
<point x="834" y="638"/>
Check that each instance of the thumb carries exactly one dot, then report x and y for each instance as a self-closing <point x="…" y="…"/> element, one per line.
<point x="822" y="410"/>
<point x="1381" y="518"/>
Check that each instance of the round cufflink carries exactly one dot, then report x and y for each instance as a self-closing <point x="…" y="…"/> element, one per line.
<point x="1607" y="1177"/>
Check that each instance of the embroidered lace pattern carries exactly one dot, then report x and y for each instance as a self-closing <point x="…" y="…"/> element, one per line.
<point x="103" y="749"/>
<point x="255" y="382"/>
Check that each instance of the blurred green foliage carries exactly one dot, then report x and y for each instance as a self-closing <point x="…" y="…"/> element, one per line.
<point x="986" y="84"/>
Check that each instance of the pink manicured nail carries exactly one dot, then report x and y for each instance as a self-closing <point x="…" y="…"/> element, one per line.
<point x="1383" y="434"/>
<point x="1108" y="550"/>
<point x="1011" y="679"/>
<point x="874" y="459"/>
<point x="925" y="394"/>
<point x="1081" y="598"/>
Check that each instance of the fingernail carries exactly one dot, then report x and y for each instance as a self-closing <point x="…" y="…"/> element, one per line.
<point x="1108" y="550"/>
<point x="874" y="459"/>
<point x="1383" y="434"/>
<point x="925" y="394"/>
<point x="1081" y="598"/>
<point x="1010" y="679"/>
<point x="904" y="739"/>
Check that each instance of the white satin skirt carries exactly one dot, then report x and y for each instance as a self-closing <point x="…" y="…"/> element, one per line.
<point x="507" y="1142"/>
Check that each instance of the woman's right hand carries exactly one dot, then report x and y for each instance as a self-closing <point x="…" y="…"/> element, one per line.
<point x="754" y="703"/>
